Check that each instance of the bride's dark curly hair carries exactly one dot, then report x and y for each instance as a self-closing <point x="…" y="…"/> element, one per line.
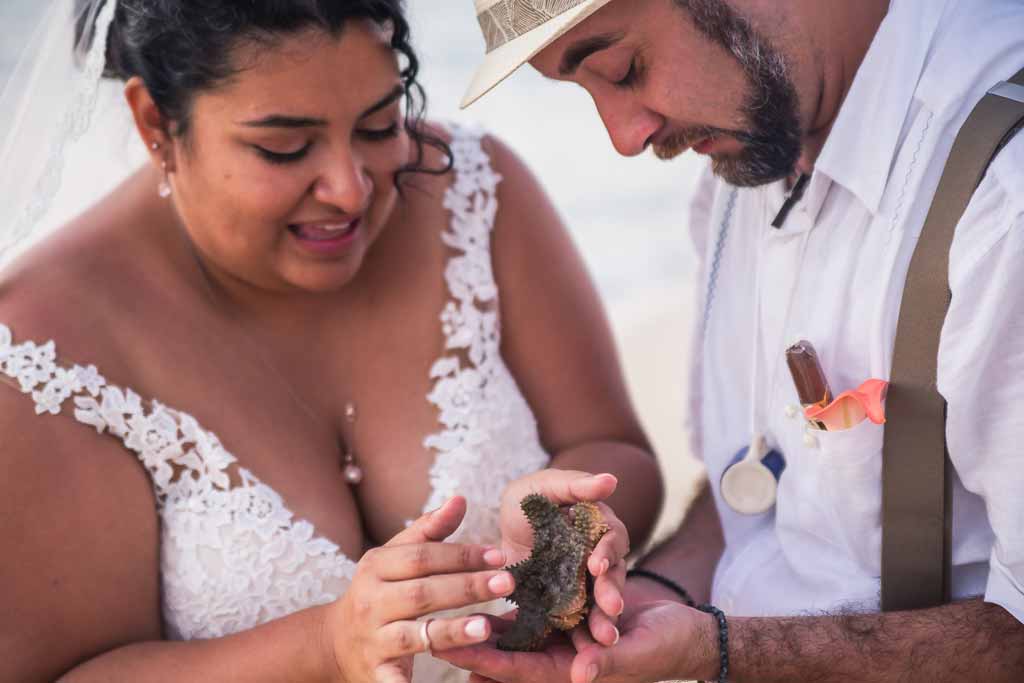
<point x="180" y="48"/>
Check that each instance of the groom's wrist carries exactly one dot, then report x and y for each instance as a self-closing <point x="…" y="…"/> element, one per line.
<point x="707" y="664"/>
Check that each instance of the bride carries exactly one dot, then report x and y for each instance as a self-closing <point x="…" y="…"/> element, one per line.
<point x="233" y="380"/>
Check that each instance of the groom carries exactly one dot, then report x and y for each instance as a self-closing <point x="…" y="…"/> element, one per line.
<point x="826" y="124"/>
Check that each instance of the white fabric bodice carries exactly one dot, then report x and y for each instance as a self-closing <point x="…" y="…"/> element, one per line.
<point x="233" y="556"/>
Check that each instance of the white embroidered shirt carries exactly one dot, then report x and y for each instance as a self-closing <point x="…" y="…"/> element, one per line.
<point x="833" y="274"/>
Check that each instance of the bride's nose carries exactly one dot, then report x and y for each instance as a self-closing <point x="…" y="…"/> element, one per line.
<point x="345" y="182"/>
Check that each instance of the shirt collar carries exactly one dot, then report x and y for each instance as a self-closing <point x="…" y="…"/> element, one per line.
<point x="863" y="142"/>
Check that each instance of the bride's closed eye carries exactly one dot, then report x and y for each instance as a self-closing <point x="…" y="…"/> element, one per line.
<point x="378" y="134"/>
<point x="368" y="134"/>
<point x="282" y="157"/>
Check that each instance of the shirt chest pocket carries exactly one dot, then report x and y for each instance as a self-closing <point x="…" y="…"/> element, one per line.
<point x="851" y="481"/>
<point x="837" y="498"/>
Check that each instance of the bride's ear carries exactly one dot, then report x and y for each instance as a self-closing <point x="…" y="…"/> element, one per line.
<point x="149" y="121"/>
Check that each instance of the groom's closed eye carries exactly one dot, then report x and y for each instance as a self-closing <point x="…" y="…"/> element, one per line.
<point x="578" y="52"/>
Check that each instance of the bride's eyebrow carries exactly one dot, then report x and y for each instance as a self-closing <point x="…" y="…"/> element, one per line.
<point x="281" y="121"/>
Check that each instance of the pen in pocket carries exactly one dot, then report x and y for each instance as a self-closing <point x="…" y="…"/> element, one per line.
<point x="811" y="385"/>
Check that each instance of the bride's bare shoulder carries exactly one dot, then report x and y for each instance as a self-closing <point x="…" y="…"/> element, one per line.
<point x="79" y="286"/>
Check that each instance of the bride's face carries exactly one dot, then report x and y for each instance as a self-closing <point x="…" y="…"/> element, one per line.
<point x="285" y="177"/>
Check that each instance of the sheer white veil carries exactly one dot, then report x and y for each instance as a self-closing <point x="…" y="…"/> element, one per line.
<point x="66" y="134"/>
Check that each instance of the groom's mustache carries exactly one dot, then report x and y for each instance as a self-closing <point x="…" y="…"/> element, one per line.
<point x="680" y="141"/>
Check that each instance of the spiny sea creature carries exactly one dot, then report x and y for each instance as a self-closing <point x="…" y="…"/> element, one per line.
<point x="553" y="589"/>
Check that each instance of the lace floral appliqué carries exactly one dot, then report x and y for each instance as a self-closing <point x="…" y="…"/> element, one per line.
<point x="233" y="557"/>
<point x="489" y="436"/>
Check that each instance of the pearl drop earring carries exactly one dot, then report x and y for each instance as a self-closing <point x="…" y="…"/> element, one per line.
<point x="164" y="188"/>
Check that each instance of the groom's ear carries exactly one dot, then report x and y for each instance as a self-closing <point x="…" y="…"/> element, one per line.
<point x="149" y="120"/>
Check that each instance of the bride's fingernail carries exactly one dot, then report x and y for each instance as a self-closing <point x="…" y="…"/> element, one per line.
<point x="476" y="629"/>
<point x="494" y="557"/>
<point x="616" y="641"/>
<point x="500" y="583"/>
<point x="592" y="672"/>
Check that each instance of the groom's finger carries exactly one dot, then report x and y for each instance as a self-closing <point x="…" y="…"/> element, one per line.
<point x="594" y="663"/>
<point x="433" y="526"/>
<point x="629" y="660"/>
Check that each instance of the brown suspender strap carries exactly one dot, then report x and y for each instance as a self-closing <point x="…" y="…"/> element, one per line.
<point x="916" y="472"/>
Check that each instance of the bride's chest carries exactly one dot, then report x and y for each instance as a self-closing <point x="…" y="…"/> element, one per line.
<point x="298" y="431"/>
<point x="266" y="545"/>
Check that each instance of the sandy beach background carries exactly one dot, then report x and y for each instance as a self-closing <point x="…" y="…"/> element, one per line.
<point x="628" y="216"/>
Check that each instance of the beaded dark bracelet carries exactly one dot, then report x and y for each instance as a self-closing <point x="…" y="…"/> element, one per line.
<point x="723" y="640"/>
<point x="664" y="581"/>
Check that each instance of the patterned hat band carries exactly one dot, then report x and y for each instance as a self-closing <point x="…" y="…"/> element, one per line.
<point x="506" y="20"/>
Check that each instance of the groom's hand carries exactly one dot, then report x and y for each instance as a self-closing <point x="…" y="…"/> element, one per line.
<point x="606" y="563"/>
<point x="491" y="665"/>
<point x="660" y="641"/>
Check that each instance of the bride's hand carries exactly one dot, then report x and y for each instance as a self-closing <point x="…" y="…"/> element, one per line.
<point x="372" y="632"/>
<point x="607" y="562"/>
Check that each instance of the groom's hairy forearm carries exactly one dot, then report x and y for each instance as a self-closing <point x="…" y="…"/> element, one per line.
<point x="965" y="641"/>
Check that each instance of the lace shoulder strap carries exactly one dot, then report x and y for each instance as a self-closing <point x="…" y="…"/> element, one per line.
<point x="469" y="320"/>
<point x="464" y="377"/>
<point x="472" y="199"/>
<point x="171" y="445"/>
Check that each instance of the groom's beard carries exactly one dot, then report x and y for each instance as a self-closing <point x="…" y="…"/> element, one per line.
<point x="772" y="145"/>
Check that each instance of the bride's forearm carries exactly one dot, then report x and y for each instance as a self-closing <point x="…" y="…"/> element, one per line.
<point x="638" y="498"/>
<point x="294" y="648"/>
<point x="689" y="556"/>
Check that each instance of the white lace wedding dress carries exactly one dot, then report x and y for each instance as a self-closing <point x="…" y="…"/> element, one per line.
<point x="234" y="556"/>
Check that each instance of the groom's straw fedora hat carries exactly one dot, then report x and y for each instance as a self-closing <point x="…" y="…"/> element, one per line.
<point x="516" y="30"/>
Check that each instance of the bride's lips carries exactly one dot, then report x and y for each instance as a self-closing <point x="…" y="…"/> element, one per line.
<point x="327" y="236"/>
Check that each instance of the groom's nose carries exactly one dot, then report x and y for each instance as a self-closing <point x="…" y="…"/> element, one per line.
<point x="630" y="125"/>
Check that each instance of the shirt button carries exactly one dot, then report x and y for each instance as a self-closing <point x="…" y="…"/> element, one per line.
<point x="792" y="411"/>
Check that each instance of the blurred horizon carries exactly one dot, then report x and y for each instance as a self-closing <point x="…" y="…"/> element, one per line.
<point x="627" y="216"/>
